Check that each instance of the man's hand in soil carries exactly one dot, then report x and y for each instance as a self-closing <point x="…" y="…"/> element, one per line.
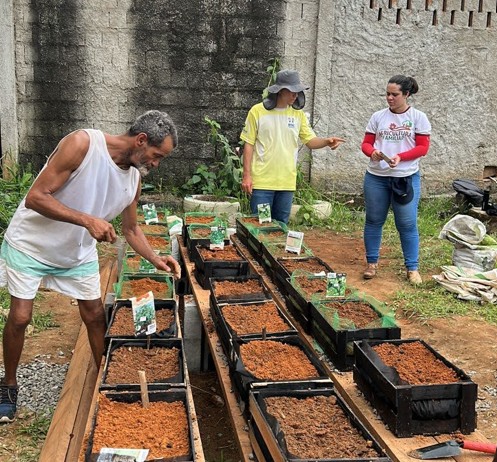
<point x="169" y="264"/>
<point x="102" y="230"/>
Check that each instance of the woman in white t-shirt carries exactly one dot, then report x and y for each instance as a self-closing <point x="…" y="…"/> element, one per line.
<point x="396" y="138"/>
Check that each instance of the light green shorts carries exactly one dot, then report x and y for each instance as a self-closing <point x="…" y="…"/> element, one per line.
<point x="23" y="275"/>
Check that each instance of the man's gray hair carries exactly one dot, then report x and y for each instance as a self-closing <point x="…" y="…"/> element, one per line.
<point x="156" y="125"/>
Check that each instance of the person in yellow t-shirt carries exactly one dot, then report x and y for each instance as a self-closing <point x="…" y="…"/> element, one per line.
<point x="271" y="134"/>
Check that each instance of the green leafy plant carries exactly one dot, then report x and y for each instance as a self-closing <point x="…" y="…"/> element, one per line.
<point x="13" y="188"/>
<point x="223" y="177"/>
<point x="272" y="69"/>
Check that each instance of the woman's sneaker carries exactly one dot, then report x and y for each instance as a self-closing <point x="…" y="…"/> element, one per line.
<point x="8" y="403"/>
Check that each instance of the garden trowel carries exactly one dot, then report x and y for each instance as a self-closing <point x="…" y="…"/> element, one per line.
<point x="451" y="448"/>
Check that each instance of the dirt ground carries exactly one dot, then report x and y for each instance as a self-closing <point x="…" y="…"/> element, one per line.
<point x="466" y="342"/>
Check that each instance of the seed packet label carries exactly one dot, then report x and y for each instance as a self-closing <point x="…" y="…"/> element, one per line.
<point x="144" y="314"/>
<point x="150" y="213"/>
<point x="264" y="211"/>
<point x="335" y="284"/>
<point x="294" y="240"/>
<point x="122" y="455"/>
<point x="218" y="235"/>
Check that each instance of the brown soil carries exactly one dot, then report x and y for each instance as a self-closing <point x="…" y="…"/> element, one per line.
<point x="237" y="288"/>
<point x="157" y="242"/>
<point x="251" y="319"/>
<point x="272" y="236"/>
<point x="415" y="364"/>
<point x="189" y="219"/>
<point x="277" y="250"/>
<point x="153" y="229"/>
<point x="359" y="313"/>
<point x="162" y="427"/>
<point x="132" y="264"/>
<point x="317" y="428"/>
<point x="138" y="287"/>
<point x="270" y="360"/>
<point x="199" y="233"/>
<point x="311" y="265"/>
<point x="229" y="253"/>
<point x="159" y="364"/>
<point x="254" y="222"/>
<point x="123" y="321"/>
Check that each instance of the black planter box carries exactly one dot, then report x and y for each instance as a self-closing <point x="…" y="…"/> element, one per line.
<point x="258" y="236"/>
<point x="189" y="219"/>
<point x="282" y="275"/>
<point x="169" y="396"/>
<point x="271" y="439"/>
<point x="262" y="295"/>
<point x="168" y="382"/>
<point x="300" y="309"/>
<point x="167" y="332"/>
<point x="244" y="229"/>
<point x="271" y="252"/>
<point x="227" y="334"/>
<point x="414" y="409"/>
<point x="128" y="268"/>
<point x="205" y="269"/>
<point x="192" y="241"/>
<point x="166" y="278"/>
<point x="245" y="381"/>
<point x="337" y="343"/>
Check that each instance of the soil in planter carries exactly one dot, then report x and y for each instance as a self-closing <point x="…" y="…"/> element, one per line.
<point x="317" y="428"/>
<point x="162" y="427"/>
<point x="123" y="321"/>
<point x="359" y="313"/>
<point x="310" y="265"/>
<point x="156" y="242"/>
<point x="254" y="222"/>
<point x="273" y="236"/>
<point x="138" y="287"/>
<point x="277" y="250"/>
<point x="270" y="360"/>
<point x="415" y="364"/>
<point x="313" y="287"/>
<point x="229" y="253"/>
<point x="153" y="229"/>
<point x="200" y="233"/>
<point x="133" y="264"/>
<point x="237" y="288"/>
<point x="252" y="319"/>
<point x="158" y="363"/>
<point x="199" y="219"/>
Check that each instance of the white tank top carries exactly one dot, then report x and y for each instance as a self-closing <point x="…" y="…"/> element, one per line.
<point x="97" y="187"/>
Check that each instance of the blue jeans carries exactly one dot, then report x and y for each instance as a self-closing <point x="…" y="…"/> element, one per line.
<point x="378" y="198"/>
<point x="280" y="202"/>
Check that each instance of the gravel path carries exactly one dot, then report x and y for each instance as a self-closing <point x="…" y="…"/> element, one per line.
<point x="40" y="384"/>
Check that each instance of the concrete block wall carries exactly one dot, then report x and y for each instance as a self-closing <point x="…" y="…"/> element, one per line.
<point x="99" y="63"/>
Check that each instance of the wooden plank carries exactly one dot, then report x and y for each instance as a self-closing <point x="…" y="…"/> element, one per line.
<point x="396" y="448"/>
<point x="72" y="408"/>
<point x="236" y="414"/>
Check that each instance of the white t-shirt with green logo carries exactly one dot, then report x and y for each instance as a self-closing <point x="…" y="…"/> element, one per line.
<point x="395" y="133"/>
<point x="275" y="135"/>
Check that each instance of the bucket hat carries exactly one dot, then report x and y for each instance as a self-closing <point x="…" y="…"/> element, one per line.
<point x="402" y="189"/>
<point x="288" y="79"/>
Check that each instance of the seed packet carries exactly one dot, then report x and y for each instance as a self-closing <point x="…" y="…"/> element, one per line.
<point x="335" y="284"/>
<point x="294" y="241"/>
<point x="150" y="214"/>
<point x="264" y="211"/>
<point x="218" y="235"/>
<point x="144" y="314"/>
<point x="122" y="455"/>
